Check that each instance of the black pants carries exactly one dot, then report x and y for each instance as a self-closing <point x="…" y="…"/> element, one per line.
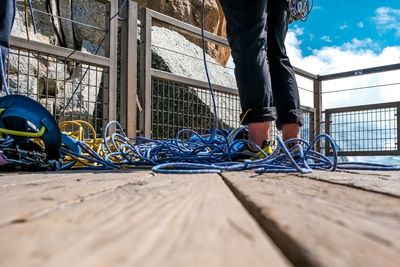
<point x="7" y="14"/>
<point x="256" y="31"/>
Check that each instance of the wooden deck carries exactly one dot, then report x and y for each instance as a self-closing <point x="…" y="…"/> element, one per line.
<point x="138" y="218"/>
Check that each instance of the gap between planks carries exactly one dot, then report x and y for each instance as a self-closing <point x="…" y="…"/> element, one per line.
<point x="322" y="224"/>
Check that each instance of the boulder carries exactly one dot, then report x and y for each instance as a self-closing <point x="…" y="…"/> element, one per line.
<point x="189" y="11"/>
<point x="173" y="53"/>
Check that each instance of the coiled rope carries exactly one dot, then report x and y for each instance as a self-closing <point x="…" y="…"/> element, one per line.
<point x="299" y="10"/>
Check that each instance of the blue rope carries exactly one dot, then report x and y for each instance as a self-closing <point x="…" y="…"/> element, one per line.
<point x="32" y="16"/>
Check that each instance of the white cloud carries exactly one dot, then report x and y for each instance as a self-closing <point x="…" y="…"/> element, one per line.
<point x="343" y="27"/>
<point x="326" y="38"/>
<point x="386" y="19"/>
<point x="360" y="24"/>
<point x="354" y="55"/>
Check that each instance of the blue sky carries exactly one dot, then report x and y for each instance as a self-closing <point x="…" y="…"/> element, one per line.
<point x="335" y="22"/>
<point x="348" y="35"/>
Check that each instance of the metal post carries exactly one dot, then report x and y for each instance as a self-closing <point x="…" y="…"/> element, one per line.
<point x="312" y="125"/>
<point x="145" y="70"/>
<point x="318" y="110"/>
<point x="398" y="126"/>
<point x="129" y="69"/>
<point x="110" y="95"/>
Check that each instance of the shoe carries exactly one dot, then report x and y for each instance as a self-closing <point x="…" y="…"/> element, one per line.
<point x="246" y="152"/>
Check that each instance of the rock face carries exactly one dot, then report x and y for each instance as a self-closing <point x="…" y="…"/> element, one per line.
<point x="189" y="11"/>
<point x="50" y="80"/>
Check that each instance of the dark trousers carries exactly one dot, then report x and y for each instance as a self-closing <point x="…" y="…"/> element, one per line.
<point x="256" y="31"/>
<point x="7" y="14"/>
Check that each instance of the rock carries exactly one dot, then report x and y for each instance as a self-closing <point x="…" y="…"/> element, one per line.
<point x="173" y="53"/>
<point x="189" y="11"/>
<point x="50" y="81"/>
<point x="89" y="12"/>
<point x="66" y="32"/>
<point x="186" y="59"/>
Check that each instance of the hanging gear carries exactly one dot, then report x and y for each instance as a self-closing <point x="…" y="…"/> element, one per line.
<point x="299" y="10"/>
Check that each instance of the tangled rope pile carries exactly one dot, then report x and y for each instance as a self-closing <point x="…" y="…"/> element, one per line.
<point x="211" y="153"/>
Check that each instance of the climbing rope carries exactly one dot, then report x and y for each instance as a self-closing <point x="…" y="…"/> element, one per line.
<point x="299" y="10"/>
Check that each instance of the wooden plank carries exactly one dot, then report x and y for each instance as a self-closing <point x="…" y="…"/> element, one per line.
<point x="110" y="95"/>
<point x="188" y="28"/>
<point x="322" y="224"/>
<point x="129" y="69"/>
<point x="13" y="179"/>
<point x="191" y="82"/>
<point x="165" y="220"/>
<point x="62" y="52"/>
<point x="145" y="72"/>
<point x="387" y="182"/>
<point x="21" y="201"/>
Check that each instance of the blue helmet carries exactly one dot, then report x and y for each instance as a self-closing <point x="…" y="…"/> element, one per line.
<point x="21" y="114"/>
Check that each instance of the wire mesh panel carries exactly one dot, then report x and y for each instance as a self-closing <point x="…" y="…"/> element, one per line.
<point x="51" y="81"/>
<point x="307" y="129"/>
<point x="364" y="130"/>
<point x="176" y="106"/>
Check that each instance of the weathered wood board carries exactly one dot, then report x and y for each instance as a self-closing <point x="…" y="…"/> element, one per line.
<point x="318" y="223"/>
<point x="387" y="182"/>
<point x="21" y="198"/>
<point x="136" y="220"/>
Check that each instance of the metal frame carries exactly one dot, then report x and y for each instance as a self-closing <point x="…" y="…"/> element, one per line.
<point x="109" y="61"/>
<point x="129" y="32"/>
<point x="130" y="92"/>
<point x="147" y="73"/>
<point x="328" y="125"/>
<point x="329" y="112"/>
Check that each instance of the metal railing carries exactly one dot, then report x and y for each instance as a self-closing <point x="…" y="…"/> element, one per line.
<point x="165" y="102"/>
<point x="364" y="130"/>
<point x="49" y="73"/>
<point x="171" y="102"/>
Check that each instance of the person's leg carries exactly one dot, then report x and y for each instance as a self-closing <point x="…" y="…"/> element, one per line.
<point x="290" y="130"/>
<point x="283" y="81"/>
<point x="7" y="15"/>
<point x="258" y="132"/>
<point x="246" y="30"/>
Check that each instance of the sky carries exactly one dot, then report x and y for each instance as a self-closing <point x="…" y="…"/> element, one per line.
<point x="347" y="35"/>
<point x="335" y="22"/>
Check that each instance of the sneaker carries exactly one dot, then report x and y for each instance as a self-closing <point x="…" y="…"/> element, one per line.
<point x="246" y="152"/>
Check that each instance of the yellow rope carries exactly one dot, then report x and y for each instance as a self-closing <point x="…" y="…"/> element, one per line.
<point x="244" y="116"/>
<point x="27" y="20"/>
<point x="94" y="143"/>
